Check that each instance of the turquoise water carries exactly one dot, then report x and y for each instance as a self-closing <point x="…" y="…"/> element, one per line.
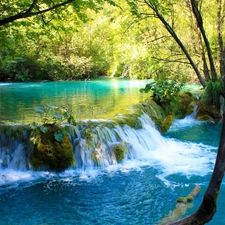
<point x="208" y="134"/>
<point x="92" y="99"/>
<point x="139" y="190"/>
<point x="142" y="190"/>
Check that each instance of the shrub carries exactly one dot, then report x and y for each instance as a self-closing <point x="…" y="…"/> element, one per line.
<point x="164" y="93"/>
<point x="212" y="93"/>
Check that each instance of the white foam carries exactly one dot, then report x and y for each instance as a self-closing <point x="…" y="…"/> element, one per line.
<point x="149" y="148"/>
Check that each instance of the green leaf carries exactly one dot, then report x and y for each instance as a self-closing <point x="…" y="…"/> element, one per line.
<point x="33" y="125"/>
<point x="71" y="120"/>
<point x="57" y="116"/>
<point x="39" y="109"/>
<point x="59" y="135"/>
<point x="43" y="129"/>
<point x="66" y="115"/>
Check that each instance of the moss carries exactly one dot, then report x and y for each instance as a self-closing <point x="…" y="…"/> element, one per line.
<point x="49" y="153"/>
<point x="185" y="200"/>
<point x="96" y="156"/>
<point x="152" y="109"/>
<point x="87" y="133"/>
<point x="120" y="150"/>
<point x="205" y="118"/>
<point x="209" y="112"/>
<point x="166" y="123"/>
<point x="12" y="136"/>
<point x="15" y="131"/>
<point x="129" y="119"/>
<point x="186" y="104"/>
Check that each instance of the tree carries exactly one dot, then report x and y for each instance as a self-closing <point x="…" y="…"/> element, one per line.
<point x="48" y="49"/>
<point x="164" y="11"/>
<point x="12" y="11"/>
<point x="20" y="10"/>
<point x="167" y="13"/>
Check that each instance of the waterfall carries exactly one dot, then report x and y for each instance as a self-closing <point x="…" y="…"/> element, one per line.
<point x="95" y="143"/>
<point x="96" y="146"/>
<point x="192" y="115"/>
<point x="105" y="144"/>
<point x="14" y="147"/>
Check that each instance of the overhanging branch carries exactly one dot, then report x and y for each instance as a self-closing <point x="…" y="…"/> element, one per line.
<point x="29" y="12"/>
<point x="171" y="61"/>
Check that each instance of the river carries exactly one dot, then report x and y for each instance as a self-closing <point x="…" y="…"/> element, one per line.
<point x="142" y="189"/>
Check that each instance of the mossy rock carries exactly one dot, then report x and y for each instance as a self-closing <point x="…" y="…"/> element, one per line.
<point x="152" y="109"/>
<point x="50" y="154"/>
<point x="186" y="104"/>
<point x="15" y="131"/>
<point x="120" y="150"/>
<point x="166" y="123"/>
<point x="129" y="119"/>
<point x="208" y="113"/>
<point x="205" y="118"/>
<point x="156" y="113"/>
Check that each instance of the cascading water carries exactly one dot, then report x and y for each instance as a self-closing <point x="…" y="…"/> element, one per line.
<point x="139" y="185"/>
<point x="12" y="148"/>
<point x="140" y="189"/>
<point x="94" y="146"/>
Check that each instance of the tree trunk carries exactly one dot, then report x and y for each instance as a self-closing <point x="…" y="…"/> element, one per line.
<point x="199" y="20"/>
<point x="178" y="41"/>
<point x="208" y="206"/>
<point x="220" y="22"/>
<point x="194" y="27"/>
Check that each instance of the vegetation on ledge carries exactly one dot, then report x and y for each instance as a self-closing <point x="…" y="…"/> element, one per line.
<point x="50" y="154"/>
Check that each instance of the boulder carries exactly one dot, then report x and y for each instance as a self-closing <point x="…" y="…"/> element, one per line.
<point x="50" y="154"/>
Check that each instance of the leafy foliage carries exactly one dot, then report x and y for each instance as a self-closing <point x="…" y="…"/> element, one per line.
<point x="85" y="39"/>
<point x="212" y="93"/>
<point x="53" y="115"/>
<point x="164" y="93"/>
<point x="63" y="45"/>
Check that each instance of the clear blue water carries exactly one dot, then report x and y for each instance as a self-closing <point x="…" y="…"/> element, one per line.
<point x="102" y="98"/>
<point x="138" y="191"/>
<point x="208" y="134"/>
<point x="133" y="192"/>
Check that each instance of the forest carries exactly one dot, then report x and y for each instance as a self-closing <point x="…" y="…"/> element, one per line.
<point x="86" y="39"/>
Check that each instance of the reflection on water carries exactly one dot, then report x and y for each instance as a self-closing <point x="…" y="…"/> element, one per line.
<point x="103" y="98"/>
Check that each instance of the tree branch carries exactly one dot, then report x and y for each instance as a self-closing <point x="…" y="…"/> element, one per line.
<point x="32" y="6"/>
<point x="171" y="61"/>
<point x="199" y="20"/>
<point x="176" y="38"/>
<point x="29" y="12"/>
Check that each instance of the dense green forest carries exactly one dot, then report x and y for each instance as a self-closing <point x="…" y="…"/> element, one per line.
<point x="85" y="39"/>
